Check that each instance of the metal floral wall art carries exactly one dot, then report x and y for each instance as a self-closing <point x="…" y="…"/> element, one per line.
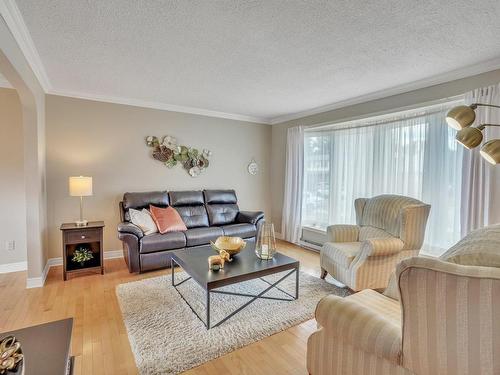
<point x="170" y="153"/>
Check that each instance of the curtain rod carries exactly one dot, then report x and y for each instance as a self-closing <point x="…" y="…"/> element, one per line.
<point x="340" y="126"/>
<point x="382" y="114"/>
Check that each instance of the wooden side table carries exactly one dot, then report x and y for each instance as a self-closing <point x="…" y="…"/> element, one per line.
<point x="75" y="237"/>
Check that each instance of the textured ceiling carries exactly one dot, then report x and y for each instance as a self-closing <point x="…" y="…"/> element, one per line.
<point x="264" y="58"/>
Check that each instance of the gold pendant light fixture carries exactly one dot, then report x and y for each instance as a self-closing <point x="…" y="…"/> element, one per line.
<point x="461" y="118"/>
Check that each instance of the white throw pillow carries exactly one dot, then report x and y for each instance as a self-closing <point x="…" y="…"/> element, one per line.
<point x="143" y="220"/>
<point x="479" y="248"/>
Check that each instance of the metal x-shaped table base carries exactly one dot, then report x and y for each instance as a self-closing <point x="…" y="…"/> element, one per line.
<point x="254" y="296"/>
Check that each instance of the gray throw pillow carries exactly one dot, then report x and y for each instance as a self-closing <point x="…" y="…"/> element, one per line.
<point x="143" y="220"/>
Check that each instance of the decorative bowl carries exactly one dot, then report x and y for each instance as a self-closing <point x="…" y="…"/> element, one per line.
<point x="11" y="356"/>
<point x="233" y="245"/>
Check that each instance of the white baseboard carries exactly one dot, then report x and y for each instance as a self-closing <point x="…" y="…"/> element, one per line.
<point x="38" y="282"/>
<point x="13" y="267"/>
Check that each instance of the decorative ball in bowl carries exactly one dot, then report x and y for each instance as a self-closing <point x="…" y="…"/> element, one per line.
<point x="233" y="245"/>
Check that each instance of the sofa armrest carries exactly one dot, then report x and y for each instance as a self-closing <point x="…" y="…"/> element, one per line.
<point x="249" y="217"/>
<point x="360" y="327"/>
<point x="342" y="233"/>
<point x="382" y="246"/>
<point x="127" y="227"/>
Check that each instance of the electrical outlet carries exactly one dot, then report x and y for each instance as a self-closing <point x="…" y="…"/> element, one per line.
<point x="10" y="245"/>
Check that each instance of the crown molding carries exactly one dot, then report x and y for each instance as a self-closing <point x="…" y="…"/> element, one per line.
<point x="158" y="105"/>
<point x="14" y="20"/>
<point x="4" y="83"/>
<point x="12" y="16"/>
<point x="465" y="72"/>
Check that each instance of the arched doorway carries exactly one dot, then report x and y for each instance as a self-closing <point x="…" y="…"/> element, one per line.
<point x="15" y="68"/>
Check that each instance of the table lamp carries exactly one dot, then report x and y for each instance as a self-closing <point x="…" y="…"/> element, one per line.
<point x="80" y="186"/>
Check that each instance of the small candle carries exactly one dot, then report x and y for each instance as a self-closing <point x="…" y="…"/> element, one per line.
<point x="265" y="251"/>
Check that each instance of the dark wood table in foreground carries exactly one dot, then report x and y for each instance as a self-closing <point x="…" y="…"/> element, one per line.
<point x="46" y="347"/>
<point x="245" y="266"/>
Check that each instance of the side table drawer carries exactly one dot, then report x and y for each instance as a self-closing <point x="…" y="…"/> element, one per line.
<point x="77" y="236"/>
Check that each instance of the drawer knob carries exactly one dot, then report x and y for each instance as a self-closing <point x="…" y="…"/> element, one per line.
<point x="83" y="237"/>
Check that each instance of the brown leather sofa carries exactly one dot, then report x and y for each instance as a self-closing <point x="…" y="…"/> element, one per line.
<point x="207" y="214"/>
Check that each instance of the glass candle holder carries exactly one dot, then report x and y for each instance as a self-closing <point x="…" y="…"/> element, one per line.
<point x="265" y="247"/>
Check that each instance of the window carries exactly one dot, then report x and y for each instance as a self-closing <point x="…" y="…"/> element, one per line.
<point x="412" y="153"/>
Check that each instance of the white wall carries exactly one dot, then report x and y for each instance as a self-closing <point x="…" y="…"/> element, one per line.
<point x="364" y="109"/>
<point x="12" y="191"/>
<point x="106" y="141"/>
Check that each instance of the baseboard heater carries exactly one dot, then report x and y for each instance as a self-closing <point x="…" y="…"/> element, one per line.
<point x="310" y="245"/>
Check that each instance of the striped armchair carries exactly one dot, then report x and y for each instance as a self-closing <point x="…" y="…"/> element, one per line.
<point x="388" y="228"/>
<point x="446" y="323"/>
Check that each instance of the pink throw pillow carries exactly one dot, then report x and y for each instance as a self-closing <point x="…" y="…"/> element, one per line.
<point x="167" y="219"/>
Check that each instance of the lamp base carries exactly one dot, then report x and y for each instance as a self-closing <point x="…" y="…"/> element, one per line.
<point x="81" y="223"/>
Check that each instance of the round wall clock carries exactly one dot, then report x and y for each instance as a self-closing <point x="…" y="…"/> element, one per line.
<point x="253" y="167"/>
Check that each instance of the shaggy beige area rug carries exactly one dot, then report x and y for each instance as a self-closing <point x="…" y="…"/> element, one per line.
<point x="167" y="338"/>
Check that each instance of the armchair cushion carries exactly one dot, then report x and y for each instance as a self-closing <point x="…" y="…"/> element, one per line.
<point x="341" y="253"/>
<point x="384" y="212"/>
<point x="342" y="233"/>
<point x="364" y="328"/>
<point x="127" y="227"/>
<point x="249" y="217"/>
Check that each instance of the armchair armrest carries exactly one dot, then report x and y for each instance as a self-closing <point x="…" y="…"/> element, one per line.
<point x="249" y="217"/>
<point x="362" y="328"/>
<point x="382" y="246"/>
<point x="127" y="227"/>
<point x="342" y="233"/>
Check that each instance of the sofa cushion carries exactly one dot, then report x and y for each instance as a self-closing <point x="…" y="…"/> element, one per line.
<point x="202" y="236"/>
<point x="159" y="242"/>
<point x="186" y="198"/>
<point x="341" y="253"/>
<point x="193" y="216"/>
<point x="479" y="248"/>
<point x="220" y="196"/>
<point x="239" y="230"/>
<point x="143" y="200"/>
<point x="221" y="214"/>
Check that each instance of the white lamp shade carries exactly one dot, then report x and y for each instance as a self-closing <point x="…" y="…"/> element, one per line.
<point x="80" y="186"/>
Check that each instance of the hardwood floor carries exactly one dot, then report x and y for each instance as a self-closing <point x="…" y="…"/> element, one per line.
<point x="100" y="343"/>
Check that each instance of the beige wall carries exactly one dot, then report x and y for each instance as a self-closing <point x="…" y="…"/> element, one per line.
<point x="12" y="193"/>
<point x="15" y="68"/>
<point x="397" y="101"/>
<point x="106" y="141"/>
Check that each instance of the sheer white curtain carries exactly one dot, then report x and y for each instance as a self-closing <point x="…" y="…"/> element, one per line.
<point x="480" y="177"/>
<point x="292" y="203"/>
<point x="412" y="154"/>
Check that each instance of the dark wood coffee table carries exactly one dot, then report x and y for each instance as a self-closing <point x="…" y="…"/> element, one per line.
<point x="46" y="347"/>
<point x="245" y="266"/>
